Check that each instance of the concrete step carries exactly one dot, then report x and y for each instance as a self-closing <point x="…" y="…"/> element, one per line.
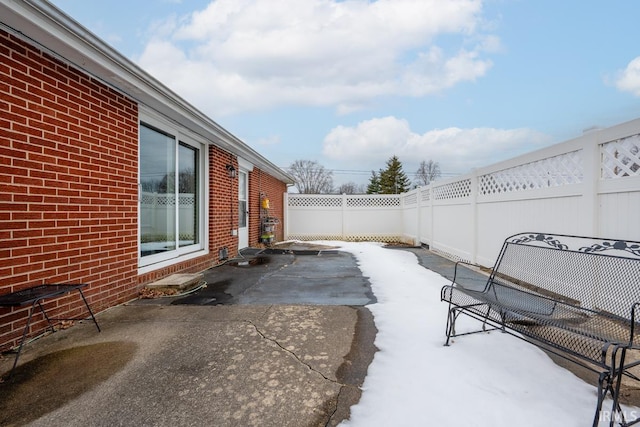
<point x="177" y="283"/>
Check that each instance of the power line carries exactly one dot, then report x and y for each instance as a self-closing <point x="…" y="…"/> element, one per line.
<point x="367" y="172"/>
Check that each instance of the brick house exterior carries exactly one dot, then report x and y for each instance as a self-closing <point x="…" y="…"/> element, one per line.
<point x="73" y="112"/>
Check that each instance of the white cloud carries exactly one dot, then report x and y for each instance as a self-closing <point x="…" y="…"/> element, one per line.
<point x="629" y="79"/>
<point x="237" y="55"/>
<point x="371" y="143"/>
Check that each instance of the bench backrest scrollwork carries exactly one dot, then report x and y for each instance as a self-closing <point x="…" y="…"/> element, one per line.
<point x="596" y="274"/>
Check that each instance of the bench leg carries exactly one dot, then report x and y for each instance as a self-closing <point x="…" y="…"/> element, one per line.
<point x="615" y="406"/>
<point x="452" y="316"/>
<point x="486" y="319"/>
<point x="618" y="367"/>
<point x="451" y="324"/>
<point x="604" y="386"/>
<point x="86" y="303"/>
<point x="609" y="382"/>
<point x="38" y="303"/>
<point x="45" y="315"/>
<point x="24" y="335"/>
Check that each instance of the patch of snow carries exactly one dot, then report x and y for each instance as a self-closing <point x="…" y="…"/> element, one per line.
<point x="488" y="379"/>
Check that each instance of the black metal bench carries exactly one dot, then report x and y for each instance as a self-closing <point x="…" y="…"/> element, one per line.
<point x="577" y="297"/>
<point x="34" y="296"/>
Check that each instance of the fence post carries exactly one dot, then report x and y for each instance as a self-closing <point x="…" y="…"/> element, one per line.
<point x="285" y="216"/>
<point x="590" y="196"/>
<point x="431" y="214"/>
<point x="344" y="214"/>
<point x="416" y="241"/>
<point x="473" y="199"/>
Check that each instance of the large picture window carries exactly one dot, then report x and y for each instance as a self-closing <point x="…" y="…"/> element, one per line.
<point x="170" y="196"/>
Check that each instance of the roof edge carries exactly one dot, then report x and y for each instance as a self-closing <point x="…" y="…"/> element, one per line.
<point x="50" y="29"/>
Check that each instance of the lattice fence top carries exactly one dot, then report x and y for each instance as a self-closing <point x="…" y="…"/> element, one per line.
<point x="410" y="199"/>
<point x="321" y="202"/>
<point x="449" y="255"/>
<point x="371" y="201"/>
<point x="425" y="194"/>
<point x="550" y="172"/>
<point x="348" y="238"/>
<point x="454" y="190"/>
<point x="621" y="158"/>
<point x="352" y="201"/>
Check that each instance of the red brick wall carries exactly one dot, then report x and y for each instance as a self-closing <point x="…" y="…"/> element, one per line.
<point x="69" y="188"/>
<point x="68" y="182"/>
<point x="262" y="184"/>
<point x="223" y="202"/>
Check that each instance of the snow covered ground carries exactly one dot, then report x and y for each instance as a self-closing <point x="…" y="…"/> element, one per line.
<point x="480" y="380"/>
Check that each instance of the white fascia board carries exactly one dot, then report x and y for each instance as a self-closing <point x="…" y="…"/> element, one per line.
<point x="244" y="164"/>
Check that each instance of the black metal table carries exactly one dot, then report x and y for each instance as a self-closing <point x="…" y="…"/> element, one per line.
<point x="34" y="296"/>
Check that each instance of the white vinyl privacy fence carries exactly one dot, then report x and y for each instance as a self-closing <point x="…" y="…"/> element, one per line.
<point x="589" y="185"/>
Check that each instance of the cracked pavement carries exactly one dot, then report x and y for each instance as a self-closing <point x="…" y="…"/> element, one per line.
<point x="240" y="365"/>
<point x="283" y="342"/>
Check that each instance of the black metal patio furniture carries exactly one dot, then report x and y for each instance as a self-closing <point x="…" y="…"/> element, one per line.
<point x="576" y="297"/>
<point x="34" y="297"/>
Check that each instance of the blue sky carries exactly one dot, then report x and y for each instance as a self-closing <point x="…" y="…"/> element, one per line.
<point x="350" y="83"/>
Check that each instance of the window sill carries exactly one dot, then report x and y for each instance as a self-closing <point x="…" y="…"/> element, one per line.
<point x="169" y="262"/>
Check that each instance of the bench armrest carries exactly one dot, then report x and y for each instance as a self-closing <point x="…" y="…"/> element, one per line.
<point x="476" y="283"/>
<point x="455" y="269"/>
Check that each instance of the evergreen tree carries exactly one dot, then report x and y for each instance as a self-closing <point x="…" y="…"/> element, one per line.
<point x="393" y="180"/>
<point x="374" y="184"/>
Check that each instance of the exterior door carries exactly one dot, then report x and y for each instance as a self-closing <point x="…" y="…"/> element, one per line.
<point x="243" y="211"/>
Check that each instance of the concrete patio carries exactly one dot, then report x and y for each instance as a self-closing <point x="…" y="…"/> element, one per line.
<point x="270" y="360"/>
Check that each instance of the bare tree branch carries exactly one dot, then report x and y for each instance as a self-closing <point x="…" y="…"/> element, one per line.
<point x="311" y="177"/>
<point x="427" y="172"/>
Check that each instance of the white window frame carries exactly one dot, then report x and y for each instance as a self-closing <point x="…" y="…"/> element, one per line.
<point x="180" y="254"/>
